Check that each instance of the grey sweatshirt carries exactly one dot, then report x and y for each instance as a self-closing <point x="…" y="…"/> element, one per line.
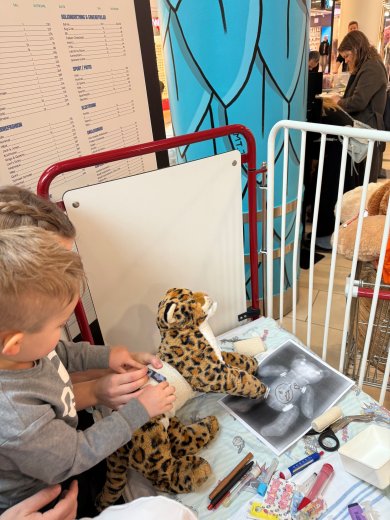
<point x="39" y="442"/>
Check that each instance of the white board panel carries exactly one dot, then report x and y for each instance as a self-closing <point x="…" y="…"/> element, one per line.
<point x="141" y="235"/>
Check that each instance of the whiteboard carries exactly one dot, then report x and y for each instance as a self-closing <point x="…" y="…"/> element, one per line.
<point x="175" y="227"/>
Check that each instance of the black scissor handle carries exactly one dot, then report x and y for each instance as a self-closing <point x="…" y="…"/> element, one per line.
<point x="329" y="435"/>
<point x="326" y="435"/>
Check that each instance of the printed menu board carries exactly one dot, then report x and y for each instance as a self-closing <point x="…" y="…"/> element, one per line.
<point x="71" y="84"/>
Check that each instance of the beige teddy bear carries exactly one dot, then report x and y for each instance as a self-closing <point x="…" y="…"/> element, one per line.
<point x="373" y="225"/>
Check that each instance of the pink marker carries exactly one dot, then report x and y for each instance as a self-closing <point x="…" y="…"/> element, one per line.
<point x="319" y="485"/>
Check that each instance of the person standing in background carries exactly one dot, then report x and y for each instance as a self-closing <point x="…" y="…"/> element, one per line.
<point x="365" y="96"/>
<point x="352" y="26"/>
<point x="324" y="53"/>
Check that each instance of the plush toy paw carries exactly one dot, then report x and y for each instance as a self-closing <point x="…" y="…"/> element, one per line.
<point x="241" y="361"/>
<point x="189" y="439"/>
<point x="183" y="475"/>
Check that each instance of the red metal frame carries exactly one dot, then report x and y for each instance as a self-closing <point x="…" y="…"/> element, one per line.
<point x="157" y="146"/>
<point x="363" y="292"/>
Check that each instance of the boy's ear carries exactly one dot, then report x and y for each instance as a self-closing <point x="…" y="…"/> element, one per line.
<point x="12" y="343"/>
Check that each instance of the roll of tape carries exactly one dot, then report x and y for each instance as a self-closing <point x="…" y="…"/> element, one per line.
<point x="326" y="419"/>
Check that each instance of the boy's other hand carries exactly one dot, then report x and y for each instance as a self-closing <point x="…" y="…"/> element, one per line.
<point x="145" y="358"/>
<point x="114" y="390"/>
<point x="157" y="399"/>
<point x="65" y="509"/>
<point x="121" y="360"/>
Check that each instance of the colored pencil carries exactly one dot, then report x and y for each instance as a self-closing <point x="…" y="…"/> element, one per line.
<point x="227" y="479"/>
<point x="219" y="497"/>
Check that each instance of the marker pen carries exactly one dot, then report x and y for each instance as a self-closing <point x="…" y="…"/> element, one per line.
<point x="319" y="485"/>
<point x="356" y="512"/>
<point x="300" y="465"/>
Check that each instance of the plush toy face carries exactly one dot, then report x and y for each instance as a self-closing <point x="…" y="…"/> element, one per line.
<point x="187" y="344"/>
<point x="181" y="308"/>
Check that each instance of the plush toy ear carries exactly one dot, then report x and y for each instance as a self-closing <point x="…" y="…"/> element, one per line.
<point x="168" y="313"/>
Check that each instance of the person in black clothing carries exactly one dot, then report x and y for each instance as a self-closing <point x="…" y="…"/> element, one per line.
<point x="332" y="115"/>
<point x="352" y="26"/>
<point x="314" y="61"/>
<point x="365" y="96"/>
<point x="324" y="53"/>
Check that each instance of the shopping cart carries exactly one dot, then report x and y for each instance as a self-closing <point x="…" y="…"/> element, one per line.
<point x="380" y="339"/>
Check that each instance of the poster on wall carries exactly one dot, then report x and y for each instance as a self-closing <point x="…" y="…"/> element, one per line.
<point x="315" y="38"/>
<point x="71" y="84"/>
<point x="326" y="31"/>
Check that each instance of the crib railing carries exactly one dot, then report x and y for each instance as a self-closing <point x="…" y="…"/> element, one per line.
<point x="345" y="134"/>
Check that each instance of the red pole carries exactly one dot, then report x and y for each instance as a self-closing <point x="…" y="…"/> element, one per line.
<point x="369" y="293"/>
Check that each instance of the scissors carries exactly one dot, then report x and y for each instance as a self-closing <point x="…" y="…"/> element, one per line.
<point x="328" y="440"/>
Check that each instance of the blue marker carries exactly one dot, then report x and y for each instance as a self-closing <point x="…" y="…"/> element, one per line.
<point x="301" y="465"/>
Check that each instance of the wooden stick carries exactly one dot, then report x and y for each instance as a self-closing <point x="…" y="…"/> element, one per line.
<point x="231" y="475"/>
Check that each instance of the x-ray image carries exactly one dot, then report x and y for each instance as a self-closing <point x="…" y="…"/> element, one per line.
<point x="302" y="387"/>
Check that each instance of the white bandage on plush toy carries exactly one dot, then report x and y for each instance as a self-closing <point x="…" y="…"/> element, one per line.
<point x="183" y="391"/>
<point x="250" y="346"/>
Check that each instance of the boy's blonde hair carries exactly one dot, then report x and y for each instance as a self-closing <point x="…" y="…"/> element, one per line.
<point x="38" y="278"/>
<point x="21" y="207"/>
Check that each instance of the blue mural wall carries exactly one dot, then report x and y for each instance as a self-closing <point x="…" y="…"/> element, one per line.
<point x="245" y="61"/>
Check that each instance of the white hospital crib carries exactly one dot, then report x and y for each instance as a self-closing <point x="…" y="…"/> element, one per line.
<point x="364" y="349"/>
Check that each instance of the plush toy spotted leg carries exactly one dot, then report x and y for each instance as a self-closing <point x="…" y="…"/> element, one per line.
<point x="150" y="453"/>
<point x="189" y="439"/>
<point x="116" y="478"/>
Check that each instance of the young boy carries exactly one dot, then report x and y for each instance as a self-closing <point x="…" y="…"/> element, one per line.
<point x="40" y="282"/>
<point x="21" y="207"/>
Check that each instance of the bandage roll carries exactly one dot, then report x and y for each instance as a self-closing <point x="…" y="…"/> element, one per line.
<point x="326" y="419"/>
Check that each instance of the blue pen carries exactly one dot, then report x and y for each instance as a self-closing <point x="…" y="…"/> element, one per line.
<point x="300" y="465"/>
<point x="264" y="481"/>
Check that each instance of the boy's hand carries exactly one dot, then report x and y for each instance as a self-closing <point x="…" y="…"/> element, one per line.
<point x="157" y="399"/>
<point x="121" y="360"/>
<point x="145" y="358"/>
<point x="114" y="390"/>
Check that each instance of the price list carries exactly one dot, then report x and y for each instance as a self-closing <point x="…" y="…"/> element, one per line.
<point x="71" y="84"/>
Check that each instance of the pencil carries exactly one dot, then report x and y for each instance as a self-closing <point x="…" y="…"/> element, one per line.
<point x="220" y="497"/>
<point x="227" y="479"/>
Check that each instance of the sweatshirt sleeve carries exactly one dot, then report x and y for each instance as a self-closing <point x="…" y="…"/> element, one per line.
<point x="364" y="91"/>
<point x="82" y="355"/>
<point x="51" y="450"/>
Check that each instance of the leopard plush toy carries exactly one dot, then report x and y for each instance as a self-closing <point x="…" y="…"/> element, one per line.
<point x="165" y="451"/>
<point x="189" y="345"/>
